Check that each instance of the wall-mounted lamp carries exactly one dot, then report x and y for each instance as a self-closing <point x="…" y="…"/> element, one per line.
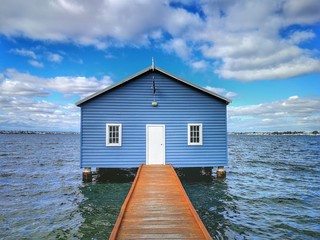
<point x="154" y="103"/>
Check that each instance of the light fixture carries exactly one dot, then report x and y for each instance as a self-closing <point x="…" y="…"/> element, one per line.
<point x="154" y="103"/>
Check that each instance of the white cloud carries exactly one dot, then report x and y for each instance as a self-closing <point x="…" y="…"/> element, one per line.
<point x="249" y="44"/>
<point x="36" y="63"/>
<point x="15" y="83"/>
<point x="243" y="36"/>
<point x="82" y="86"/>
<point x="302" y="12"/>
<point x="21" y="109"/>
<point x="301" y="36"/>
<point x="179" y="47"/>
<point x="156" y="34"/>
<point x="109" y="56"/>
<point x="68" y="6"/>
<point x="54" y="57"/>
<point x="27" y="113"/>
<point x="199" y="65"/>
<point x="97" y="23"/>
<point x="221" y="91"/>
<point x="291" y="114"/>
<point x="292" y="68"/>
<point x="24" y="52"/>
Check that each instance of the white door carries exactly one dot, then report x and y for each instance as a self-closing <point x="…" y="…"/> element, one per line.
<point x="155" y="144"/>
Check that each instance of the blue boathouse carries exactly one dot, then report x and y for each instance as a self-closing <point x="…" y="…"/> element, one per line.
<point x="153" y="117"/>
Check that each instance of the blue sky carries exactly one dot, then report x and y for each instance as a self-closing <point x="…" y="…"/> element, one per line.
<point x="263" y="54"/>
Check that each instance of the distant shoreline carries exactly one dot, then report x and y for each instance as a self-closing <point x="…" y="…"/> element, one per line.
<point x="34" y="132"/>
<point x="285" y="133"/>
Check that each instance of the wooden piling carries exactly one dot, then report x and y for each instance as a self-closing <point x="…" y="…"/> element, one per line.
<point x="221" y="173"/>
<point x="87" y="175"/>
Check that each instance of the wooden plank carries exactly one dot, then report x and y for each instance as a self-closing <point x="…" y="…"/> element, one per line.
<point x="157" y="207"/>
<point x="124" y="206"/>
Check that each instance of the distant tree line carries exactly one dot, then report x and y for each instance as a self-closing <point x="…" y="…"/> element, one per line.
<point x="33" y="132"/>
<point x="278" y="133"/>
<point x="293" y="133"/>
<point x="287" y="133"/>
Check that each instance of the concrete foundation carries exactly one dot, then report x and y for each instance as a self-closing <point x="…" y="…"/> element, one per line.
<point x="221" y="173"/>
<point x="87" y="175"/>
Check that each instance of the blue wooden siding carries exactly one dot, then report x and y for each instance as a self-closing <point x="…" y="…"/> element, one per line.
<point x="130" y="105"/>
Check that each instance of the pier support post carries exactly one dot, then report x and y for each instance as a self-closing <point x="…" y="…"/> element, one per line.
<point x="206" y="171"/>
<point x="87" y="175"/>
<point x="221" y="173"/>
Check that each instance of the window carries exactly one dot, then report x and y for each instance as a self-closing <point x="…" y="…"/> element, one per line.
<point x="114" y="134"/>
<point x="194" y="134"/>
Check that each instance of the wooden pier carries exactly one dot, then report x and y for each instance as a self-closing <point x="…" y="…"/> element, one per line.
<point x="157" y="207"/>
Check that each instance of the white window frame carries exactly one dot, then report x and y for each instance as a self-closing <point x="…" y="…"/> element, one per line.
<point x="108" y="125"/>
<point x="200" y="134"/>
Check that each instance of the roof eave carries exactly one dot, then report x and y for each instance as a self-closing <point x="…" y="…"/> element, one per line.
<point x="111" y="87"/>
<point x="227" y="100"/>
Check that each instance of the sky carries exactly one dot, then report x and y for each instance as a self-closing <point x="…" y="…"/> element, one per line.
<point x="262" y="54"/>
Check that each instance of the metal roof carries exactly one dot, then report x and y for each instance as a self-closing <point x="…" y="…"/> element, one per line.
<point x="152" y="68"/>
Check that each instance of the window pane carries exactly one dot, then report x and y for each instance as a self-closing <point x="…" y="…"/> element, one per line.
<point x="110" y="134"/>
<point x="194" y="133"/>
<point x="113" y="134"/>
<point x="116" y="134"/>
<point x="117" y="137"/>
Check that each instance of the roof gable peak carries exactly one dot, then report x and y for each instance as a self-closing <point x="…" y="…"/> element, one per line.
<point x="151" y="68"/>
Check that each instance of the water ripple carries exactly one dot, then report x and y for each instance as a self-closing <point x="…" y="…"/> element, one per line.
<point x="271" y="190"/>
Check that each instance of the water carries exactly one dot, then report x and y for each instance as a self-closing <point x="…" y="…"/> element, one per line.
<point x="271" y="190"/>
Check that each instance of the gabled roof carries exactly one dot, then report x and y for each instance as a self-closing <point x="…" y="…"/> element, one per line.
<point x="145" y="71"/>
